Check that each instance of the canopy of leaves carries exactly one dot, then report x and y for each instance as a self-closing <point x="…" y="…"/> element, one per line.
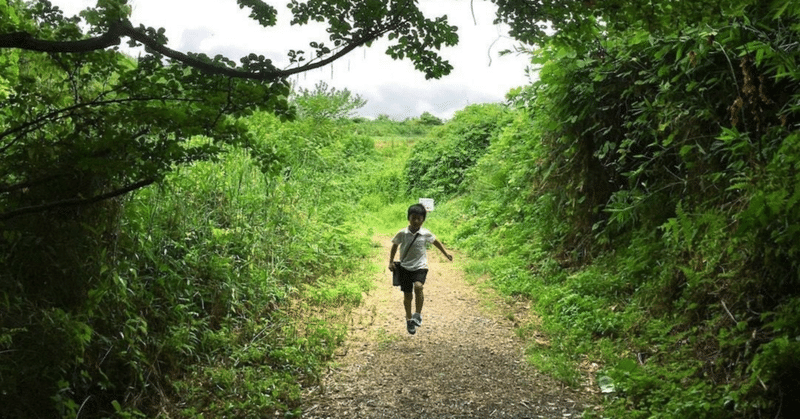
<point x="584" y="26"/>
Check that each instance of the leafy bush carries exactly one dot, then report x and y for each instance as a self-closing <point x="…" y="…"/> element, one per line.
<point x="326" y="103"/>
<point x="383" y="126"/>
<point x="644" y="198"/>
<point x="438" y="165"/>
<point x="196" y="285"/>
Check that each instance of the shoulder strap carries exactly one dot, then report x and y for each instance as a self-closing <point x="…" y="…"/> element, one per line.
<point x="409" y="247"/>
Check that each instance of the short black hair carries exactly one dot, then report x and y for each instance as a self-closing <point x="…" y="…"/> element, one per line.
<point x="417" y="209"/>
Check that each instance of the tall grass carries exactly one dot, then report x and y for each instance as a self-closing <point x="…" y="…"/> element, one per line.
<point x="222" y="292"/>
<point x="277" y="244"/>
<point x="249" y="251"/>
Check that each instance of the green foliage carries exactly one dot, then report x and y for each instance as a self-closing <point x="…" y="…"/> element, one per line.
<point x="84" y="128"/>
<point x="642" y="194"/>
<point x="429" y="119"/>
<point x="415" y="36"/>
<point x="386" y="184"/>
<point x="82" y="125"/>
<point x="191" y="312"/>
<point x="514" y="199"/>
<point x="383" y="126"/>
<point x="258" y="371"/>
<point x="9" y="70"/>
<point x="580" y="26"/>
<point x="325" y="103"/>
<point x="644" y="199"/>
<point x="439" y="164"/>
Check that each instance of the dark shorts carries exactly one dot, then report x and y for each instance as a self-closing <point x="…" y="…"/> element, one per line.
<point x="408" y="278"/>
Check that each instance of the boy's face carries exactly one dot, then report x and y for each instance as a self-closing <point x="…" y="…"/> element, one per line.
<point x="415" y="222"/>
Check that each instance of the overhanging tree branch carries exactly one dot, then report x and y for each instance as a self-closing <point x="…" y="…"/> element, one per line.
<point x="60" y="113"/>
<point x="26" y="41"/>
<point x="66" y="203"/>
<point x="124" y="29"/>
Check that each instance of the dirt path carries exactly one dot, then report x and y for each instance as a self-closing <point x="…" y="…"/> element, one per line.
<point x="464" y="361"/>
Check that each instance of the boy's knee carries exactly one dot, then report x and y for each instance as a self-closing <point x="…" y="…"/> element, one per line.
<point x="408" y="295"/>
<point x="418" y="286"/>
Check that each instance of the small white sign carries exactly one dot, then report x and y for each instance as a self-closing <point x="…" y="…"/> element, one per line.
<point x="427" y="203"/>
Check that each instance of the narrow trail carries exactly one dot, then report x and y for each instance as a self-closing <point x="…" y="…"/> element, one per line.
<point x="465" y="361"/>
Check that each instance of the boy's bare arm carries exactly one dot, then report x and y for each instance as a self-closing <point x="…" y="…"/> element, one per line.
<point x="440" y="247"/>
<point x="391" y="256"/>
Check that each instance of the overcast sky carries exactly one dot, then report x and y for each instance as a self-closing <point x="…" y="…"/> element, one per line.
<point x="390" y="87"/>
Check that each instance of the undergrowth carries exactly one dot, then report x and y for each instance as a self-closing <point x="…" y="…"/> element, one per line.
<point x="644" y="200"/>
<point x="643" y="196"/>
<point x="222" y="292"/>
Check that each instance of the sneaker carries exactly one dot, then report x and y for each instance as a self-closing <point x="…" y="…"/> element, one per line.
<point x="411" y="325"/>
<point x="417" y="318"/>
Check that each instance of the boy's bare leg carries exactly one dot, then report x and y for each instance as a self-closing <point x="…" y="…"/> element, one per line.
<point x="407" y="303"/>
<point x="419" y="300"/>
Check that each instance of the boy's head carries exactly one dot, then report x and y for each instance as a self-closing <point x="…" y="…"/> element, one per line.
<point x="417" y="209"/>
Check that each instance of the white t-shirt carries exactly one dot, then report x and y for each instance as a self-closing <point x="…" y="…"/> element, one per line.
<point x="416" y="257"/>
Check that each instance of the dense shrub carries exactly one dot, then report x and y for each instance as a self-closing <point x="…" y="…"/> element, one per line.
<point x="192" y="285"/>
<point x="644" y="197"/>
<point x="438" y="164"/>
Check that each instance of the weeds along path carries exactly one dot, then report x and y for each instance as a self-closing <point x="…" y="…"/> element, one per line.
<point x="465" y="361"/>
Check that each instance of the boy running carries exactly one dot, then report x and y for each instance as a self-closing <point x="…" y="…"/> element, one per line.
<point x="413" y="243"/>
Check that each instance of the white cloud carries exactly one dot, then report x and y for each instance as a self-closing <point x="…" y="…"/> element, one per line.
<point x="390" y="87"/>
